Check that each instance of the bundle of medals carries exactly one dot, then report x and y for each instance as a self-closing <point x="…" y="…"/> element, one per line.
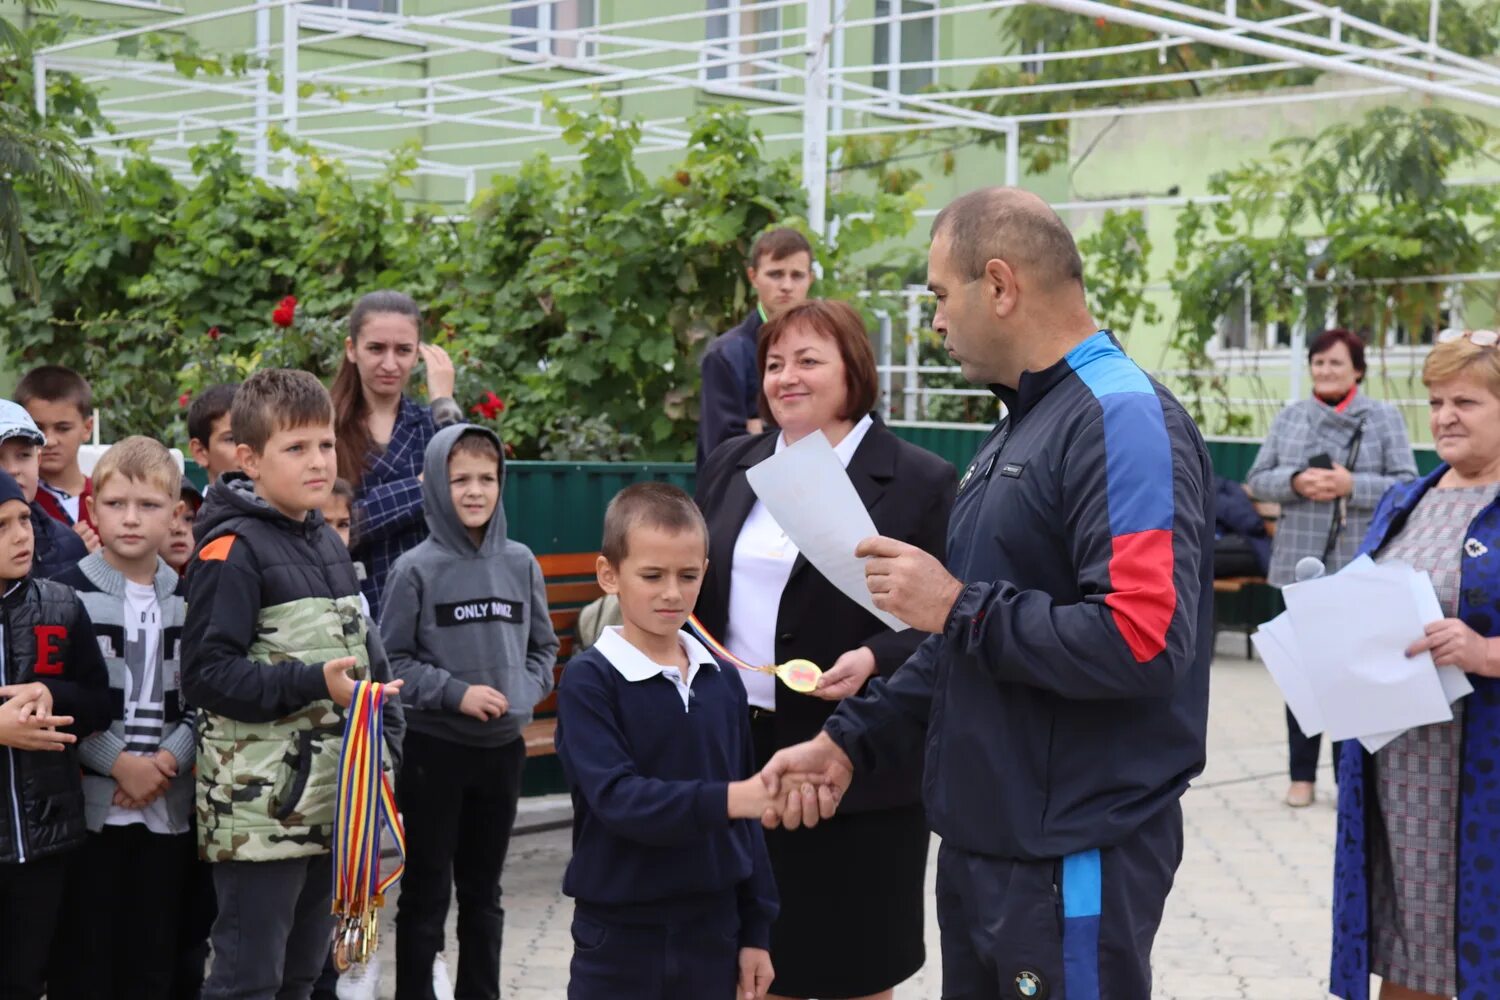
<point x="799" y="675"/>
<point x="366" y="806"/>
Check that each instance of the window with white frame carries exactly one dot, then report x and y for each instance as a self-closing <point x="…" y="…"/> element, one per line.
<point x="906" y="32"/>
<point x="557" y="15"/>
<point x="740" y="28"/>
<point x="368" y="6"/>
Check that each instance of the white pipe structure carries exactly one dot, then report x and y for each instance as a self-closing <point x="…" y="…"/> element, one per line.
<point x="794" y="72"/>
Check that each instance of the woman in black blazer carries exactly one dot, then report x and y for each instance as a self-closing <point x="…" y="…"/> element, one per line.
<point x="851" y="888"/>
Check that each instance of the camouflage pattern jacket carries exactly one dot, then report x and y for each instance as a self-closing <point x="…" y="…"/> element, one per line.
<point x="270" y="600"/>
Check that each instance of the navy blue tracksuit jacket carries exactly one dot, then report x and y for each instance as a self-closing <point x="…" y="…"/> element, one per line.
<point x="1065" y="703"/>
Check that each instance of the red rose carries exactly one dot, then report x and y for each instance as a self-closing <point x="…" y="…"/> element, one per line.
<point x="489" y="407"/>
<point x="285" y="312"/>
<point x="1100" y="22"/>
<point x="184" y="399"/>
<point x="213" y="333"/>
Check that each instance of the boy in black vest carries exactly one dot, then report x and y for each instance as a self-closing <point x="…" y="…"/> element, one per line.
<point x="53" y="690"/>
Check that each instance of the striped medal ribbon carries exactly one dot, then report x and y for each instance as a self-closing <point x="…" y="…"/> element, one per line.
<point x="799" y="675"/>
<point x="366" y="804"/>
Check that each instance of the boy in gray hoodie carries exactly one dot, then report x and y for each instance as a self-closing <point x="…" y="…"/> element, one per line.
<point x="466" y="626"/>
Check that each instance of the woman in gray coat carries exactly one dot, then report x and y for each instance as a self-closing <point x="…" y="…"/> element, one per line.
<point x="1327" y="460"/>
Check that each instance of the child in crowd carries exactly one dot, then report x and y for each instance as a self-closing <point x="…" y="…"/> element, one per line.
<point x="673" y="888"/>
<point x="210" y="438"/>
<point x="467" y="627"/>
<point x="137" y="779"/>
<point x="55" y="548"/>
<point x="53" y="689"/>
<point x="61" y="401"/>
<point x="177" y="550"/>
<point x="273" y="643"/>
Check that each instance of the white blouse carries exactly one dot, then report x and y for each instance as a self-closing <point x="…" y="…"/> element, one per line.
<point x="761" y="565"/>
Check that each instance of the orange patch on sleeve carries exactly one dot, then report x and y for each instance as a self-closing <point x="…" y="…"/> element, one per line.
<point x="218" y="549"/>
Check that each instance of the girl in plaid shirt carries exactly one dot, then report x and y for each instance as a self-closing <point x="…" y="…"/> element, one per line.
<point x="382" y="434"/>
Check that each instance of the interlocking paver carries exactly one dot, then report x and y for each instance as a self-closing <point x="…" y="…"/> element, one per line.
<point x="1248" y="918"/>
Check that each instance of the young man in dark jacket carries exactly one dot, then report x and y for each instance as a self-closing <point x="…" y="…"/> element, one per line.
<point x="1063" y="693"/>
<point x="53" y="689"/>
<point x="467" y="628"/>
<point x="780" y="271"/>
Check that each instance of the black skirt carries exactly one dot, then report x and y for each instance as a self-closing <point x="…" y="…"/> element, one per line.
<point x="852" y="913"/>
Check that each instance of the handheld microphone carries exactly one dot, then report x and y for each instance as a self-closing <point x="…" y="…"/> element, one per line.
<point x="1309" y="568"/>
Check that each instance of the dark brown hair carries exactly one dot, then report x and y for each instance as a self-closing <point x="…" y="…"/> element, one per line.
<point x="778" y="244"/>
<point x="208" y="406"/>
<point x="1349" y="339"/>
<point x="277" y="399"/>
<point x="350" y="427"/>
<point x="476" y="442"/>
<point x="838" y="322"/>
<point x="56" y="384"/>
<point x="659" y="505"/>
<point x="341" y="488"/>
<point x="1011" y="225"/>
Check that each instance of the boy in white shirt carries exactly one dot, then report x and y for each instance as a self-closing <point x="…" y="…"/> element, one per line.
<point x="122" y="905"/>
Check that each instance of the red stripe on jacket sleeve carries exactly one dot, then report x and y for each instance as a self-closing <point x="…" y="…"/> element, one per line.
<point x="1142" y="596"/>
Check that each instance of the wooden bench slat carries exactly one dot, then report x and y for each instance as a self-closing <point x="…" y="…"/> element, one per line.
<point x="539" y="736"/>
<point x="564" y="619"/>
<point x="568" y="564"/>
<point x="573" y="593"/>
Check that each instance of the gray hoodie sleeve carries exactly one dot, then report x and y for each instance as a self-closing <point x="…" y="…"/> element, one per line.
<point x="427" y="686"/>
<point x="541" y="645"/>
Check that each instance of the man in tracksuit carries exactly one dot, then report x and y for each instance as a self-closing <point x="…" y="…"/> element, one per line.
<point x="1064" y="693"/>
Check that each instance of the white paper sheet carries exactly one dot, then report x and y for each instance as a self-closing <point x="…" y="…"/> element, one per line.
<point x="1277" y="646"/>
<point x="1352" y="631"/>
<point x="807" y="491"/>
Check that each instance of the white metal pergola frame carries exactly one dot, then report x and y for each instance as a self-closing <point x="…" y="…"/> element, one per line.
<point x="827" y="97"/>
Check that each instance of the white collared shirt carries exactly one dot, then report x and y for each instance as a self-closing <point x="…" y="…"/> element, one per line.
<point x="635" y="666"/>
<point x="761" y="565"/>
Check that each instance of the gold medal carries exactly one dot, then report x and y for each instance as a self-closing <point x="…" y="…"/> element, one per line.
<point x="799" y="675"/>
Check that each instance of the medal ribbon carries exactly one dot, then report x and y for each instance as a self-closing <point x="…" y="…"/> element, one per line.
<point x="718" y="648"/>
<point x="365" y="805"/>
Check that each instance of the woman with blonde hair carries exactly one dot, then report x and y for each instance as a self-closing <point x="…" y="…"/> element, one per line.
<point x="1418" y="852"/>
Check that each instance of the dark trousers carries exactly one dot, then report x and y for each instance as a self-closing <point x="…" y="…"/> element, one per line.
<point x="197" y="921"/>
<point x="30" y="902"/>
<point x="1302" y="750"/>
<point x="121" y="908"/>
<point x="271" y="935"/>
<point x="459" y="804"/>
<point x="1074" y="928"/>
<point x="613" y="961"/>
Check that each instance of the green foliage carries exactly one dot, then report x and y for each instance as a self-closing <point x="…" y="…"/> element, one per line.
<point x="582" y="299"/>
<point x="1117" y="257"/>
<point x="34" y="153"/>
<point x="1361" y="200"/>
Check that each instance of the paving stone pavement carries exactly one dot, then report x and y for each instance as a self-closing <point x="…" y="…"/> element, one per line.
<point x="1248" y="918"/>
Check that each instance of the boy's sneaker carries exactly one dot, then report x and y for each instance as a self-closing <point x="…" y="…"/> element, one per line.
<point x="361" y="982"/>
<point x="442" y="986"/>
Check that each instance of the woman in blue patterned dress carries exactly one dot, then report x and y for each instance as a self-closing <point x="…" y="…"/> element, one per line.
<point x="1417" y="874"/>
<point x="382" y="433"/>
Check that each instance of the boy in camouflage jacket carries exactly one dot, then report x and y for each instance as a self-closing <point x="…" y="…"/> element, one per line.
<point x="273" y="643"/>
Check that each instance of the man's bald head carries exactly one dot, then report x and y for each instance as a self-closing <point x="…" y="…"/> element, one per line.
<point x="1013" y="225"/>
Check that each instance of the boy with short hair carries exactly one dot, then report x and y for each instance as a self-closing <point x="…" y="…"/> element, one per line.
<point x="53" y="689"/>
<point x="468" y="629"/>
<point x="177" y="550"/>
<point x="273" y="643"/>
<point x="61" y="401"/>
<point x="55" y="548"/>
<point x="137" y="780"/>
<point x="210" y="438"/>
<point x="673" y="889"/>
